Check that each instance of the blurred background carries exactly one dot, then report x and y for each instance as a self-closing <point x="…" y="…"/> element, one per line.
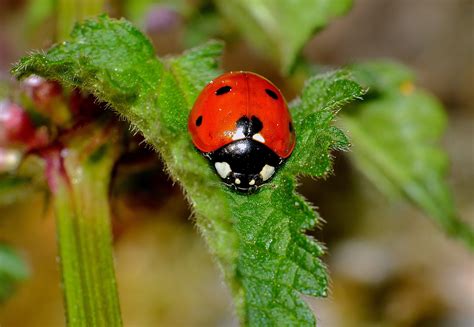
<point x="390" y="266"/>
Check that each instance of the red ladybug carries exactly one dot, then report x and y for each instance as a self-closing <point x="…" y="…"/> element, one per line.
<point x="241" y="123"/>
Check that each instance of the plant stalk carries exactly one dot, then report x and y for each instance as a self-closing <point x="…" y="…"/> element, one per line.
<point x="71" y="11"/>
<point x="79" y="179"/>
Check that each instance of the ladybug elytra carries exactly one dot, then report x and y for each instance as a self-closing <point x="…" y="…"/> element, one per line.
<point x="241" y="123"/>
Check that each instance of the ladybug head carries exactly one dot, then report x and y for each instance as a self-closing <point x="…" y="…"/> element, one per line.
<point x="245" y="164"/>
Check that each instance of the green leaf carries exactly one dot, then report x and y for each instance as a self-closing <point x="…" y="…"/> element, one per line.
<point x="281" y="28"/>
<point x="382" y="76"/>
<point x="313" y="114"/>
<point x="258" y="239"/>
<point x="12" y="270"/>
<point x="396" y="137"/>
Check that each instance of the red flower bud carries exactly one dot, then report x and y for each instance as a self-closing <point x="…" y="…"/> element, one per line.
<point x="15" y="125"/>
<point x="43" y="93"/>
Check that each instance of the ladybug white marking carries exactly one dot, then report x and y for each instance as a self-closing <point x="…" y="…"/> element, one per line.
<point x="223" y="169"/>
<point x="258" y="137"/>
<point x="237" y="181"/>
<point x="252" y="182"/>
<point x="238" y="135"/>
<point x="267" y="172"/>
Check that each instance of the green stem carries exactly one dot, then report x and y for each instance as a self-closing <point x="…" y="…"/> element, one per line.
<point x="71" y="11"/>
<point x="84" y="236"/>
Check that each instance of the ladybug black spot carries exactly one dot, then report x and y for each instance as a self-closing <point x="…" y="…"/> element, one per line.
<point x="290" y="127"/>
<point x="199" y="121"/>
<point x="223" y="90"/>
<point x="271" y="94"/>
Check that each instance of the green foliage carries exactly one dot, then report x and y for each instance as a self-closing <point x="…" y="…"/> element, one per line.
<point x="396" y="135"/>
<point x="327" y="93"/>
<point x="258" y="239"/>
<point x="281" y="28"/>
<point x="12" y="270"/>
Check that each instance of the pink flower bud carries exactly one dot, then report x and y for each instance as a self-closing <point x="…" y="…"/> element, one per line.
<point x="43" y="93"/>
<point x="16" y="126"/>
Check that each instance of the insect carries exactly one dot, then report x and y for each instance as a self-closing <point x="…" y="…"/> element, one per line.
<point x="240" y="122"/>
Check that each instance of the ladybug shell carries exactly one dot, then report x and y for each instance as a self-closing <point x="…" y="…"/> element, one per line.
<point x="213" y="121"/>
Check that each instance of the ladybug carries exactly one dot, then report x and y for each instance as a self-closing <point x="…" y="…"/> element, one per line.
<point x="240" y="122"/>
